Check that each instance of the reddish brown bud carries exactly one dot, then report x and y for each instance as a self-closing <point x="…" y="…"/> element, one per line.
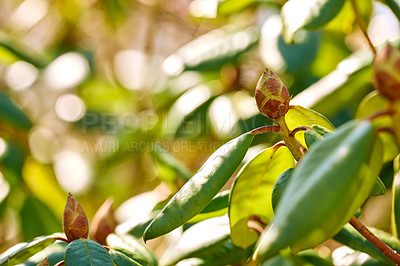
<point x="386" y="76"/>
<point x="271" y="95"/>
<point x="75" y="222"/>
<point x="103" y="222"/>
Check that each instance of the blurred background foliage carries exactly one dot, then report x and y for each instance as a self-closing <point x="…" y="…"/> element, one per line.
<point x="126" y="99"/>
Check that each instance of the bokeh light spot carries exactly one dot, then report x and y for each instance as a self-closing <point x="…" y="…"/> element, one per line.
<point x="70" y="107"/>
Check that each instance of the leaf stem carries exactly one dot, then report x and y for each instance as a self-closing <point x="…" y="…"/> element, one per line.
<point x="385" y="249"/>
<point x="289" y="140"/>
<point x="264" y="129"/>
<point x="361" y="23"/>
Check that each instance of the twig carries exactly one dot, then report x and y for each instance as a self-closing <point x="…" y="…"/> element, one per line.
<point x="385" y="249"/>
<point x="297" y="129"/>
<point x="362" y="25"/>
<point x="264" y="129"/>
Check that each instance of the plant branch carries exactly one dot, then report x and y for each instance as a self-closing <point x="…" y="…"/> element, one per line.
<point x="297" y="129"/>
<point x="289" y="140"/>
<point x="264" y="129"/>
<point x="361" y="23"/>
<point x="385" y="249"/>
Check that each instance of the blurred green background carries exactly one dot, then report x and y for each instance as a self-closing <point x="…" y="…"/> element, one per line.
<point x="117" y="98"/>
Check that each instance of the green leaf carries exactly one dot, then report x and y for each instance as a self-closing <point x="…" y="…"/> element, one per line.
<point x="55" y="253"/>
<point x="279" y="187"/>
<point x="86" y="252"/>
<point x="307" y="14"/>
<point x="300" y="116"/>
<point x="124" y="243"/>
<point x="352" y="238"/>
<point x="196" y="194"/>
<point x="38" y="219"/>
<point x="326" y="189"/>
<point x="121" y="259"/>
<point x="199" y="240"/>
<point x="251" y="193"/>
<point x="11" y="114"/>
<point x="217" y="207"/>
<point x="372" y="104"/>
<point x="27" y="250"/>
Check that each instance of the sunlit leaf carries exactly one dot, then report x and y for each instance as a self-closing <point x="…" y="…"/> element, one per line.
<point x="308" y="14"/>
<point x="251" y="193"/>
<point x="299" y="116"/>
<point x="17" y="255"/>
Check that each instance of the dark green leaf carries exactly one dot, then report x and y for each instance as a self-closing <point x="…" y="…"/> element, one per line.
<point x="280" y="186"/>
<point x="84" y="252"/>
<point x="196" y="194"/>
<point x="217" y="207"/>
<point x="325" y="190"/>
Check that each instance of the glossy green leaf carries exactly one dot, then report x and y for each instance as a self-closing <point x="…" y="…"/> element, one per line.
<point x="326" y="189"/>
<point x="299" y="116"/>
<point x="307" y="14"/>
<point x="86" y="252"/>
<point x="38" y="219"/>
<point x="26" y="250"/>
<point x="128" y="244"/>
<point x="196" y="194"/>
<point x="217" y="207"/>
<point x="121" y="259"/>
<point x="280" y="186"/>
<point x="314" y="134"/>
<point x="11" y="114"/>
<point x="165" y="157"/>
<point x="55" y="253"/>
<point x="352" y="238"/>
<point x="251" y="193"/>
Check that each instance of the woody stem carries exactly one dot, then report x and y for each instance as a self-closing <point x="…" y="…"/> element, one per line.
<point x="289" y="139"/>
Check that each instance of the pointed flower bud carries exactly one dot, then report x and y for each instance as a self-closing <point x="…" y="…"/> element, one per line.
<point x="271" y="95"/>
<point x="386" y="76"/>
<point x="75" y="222"/>
<point x="103" y="223"/>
